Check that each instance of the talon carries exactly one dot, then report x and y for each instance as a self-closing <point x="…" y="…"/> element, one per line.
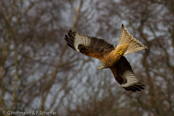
<point x="120" y="52"/>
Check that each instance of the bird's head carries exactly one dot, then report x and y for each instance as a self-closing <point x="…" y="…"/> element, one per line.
<point x="101" y="66"/>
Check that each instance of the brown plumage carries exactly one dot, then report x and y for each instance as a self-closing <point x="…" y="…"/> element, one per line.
<point x="111" y="57"/>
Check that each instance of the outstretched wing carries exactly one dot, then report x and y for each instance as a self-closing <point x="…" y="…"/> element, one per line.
<point x="126" y="37"/>
<point x="125" y="76"/>
<point x="90" y="46"/>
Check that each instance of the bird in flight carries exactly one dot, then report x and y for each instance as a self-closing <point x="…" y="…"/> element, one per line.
<point x="111" y="57"/>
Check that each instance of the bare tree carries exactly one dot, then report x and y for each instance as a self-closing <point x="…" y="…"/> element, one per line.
<point x="152" y="23"/>
<point x="35" y="65"/>
<point x="38" y="72"/>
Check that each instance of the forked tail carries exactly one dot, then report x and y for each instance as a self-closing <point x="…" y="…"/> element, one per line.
<point x="126" y="37"/>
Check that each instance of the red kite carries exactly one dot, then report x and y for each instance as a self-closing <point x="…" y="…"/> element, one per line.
<point x="111" y="57"/>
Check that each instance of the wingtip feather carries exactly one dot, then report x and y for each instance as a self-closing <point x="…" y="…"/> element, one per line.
<point x="122" y="25"/>
<point x="135" y="87"/>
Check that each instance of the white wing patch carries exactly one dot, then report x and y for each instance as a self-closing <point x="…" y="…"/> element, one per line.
<point x="81" y="40"/>
<point x="131" y="79"/>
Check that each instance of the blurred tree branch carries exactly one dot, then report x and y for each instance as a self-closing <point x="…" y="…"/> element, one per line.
<point x="38" y="72"/>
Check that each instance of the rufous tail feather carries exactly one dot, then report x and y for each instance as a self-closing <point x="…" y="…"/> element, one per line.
<point x="126" y="37"/>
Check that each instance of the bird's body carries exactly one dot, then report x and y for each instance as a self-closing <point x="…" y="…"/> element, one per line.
<point x="111" y="57"/>
<point x="114" y="56"/>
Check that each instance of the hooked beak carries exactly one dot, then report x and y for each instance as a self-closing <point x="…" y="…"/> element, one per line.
<point x="99" y="68"/>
